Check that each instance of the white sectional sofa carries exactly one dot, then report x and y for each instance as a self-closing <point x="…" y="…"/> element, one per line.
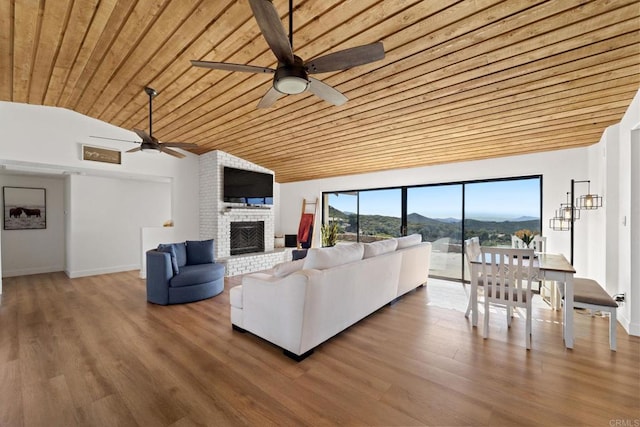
<point x="300" y="304"/>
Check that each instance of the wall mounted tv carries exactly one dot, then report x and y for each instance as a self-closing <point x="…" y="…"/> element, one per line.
<point x="249" y="187"/>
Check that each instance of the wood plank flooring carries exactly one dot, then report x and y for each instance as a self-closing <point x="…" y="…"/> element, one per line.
<point x="92" y="352"/>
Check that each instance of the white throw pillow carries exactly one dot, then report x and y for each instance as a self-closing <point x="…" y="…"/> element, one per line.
<point x="411" y="240"/>
<point x="286" y="268"/>
<point x="380" y="247"/>
<point x="321" y="258"/>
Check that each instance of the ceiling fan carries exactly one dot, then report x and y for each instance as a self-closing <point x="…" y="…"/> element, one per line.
<point x="292" y="73"/>
<point x="149" y="142"/>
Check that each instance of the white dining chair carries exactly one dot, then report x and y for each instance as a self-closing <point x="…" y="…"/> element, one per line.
<point x="507" y="275"/>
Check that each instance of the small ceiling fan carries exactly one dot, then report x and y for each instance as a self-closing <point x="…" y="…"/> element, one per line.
<point x="150" y="143"/>
<point x="292" y="73"/>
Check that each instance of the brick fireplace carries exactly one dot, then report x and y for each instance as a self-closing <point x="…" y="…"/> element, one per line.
<point x="216" y="217"/>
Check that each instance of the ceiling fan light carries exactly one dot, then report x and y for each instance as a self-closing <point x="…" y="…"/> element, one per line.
<point x="150" y="150"/>
<point x="291" y="85"/>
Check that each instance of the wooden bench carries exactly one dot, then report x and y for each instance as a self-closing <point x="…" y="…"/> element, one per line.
<point x="588" y="294"/>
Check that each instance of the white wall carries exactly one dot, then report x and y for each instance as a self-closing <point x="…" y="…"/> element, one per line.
<point x="49" y="140"/>
<point x="628" y="218"/>
<point x="106" y="216"/>
<point x="36" y="251"/>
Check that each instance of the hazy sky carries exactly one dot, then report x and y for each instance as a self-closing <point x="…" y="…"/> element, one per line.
<point x="484" y="200"/>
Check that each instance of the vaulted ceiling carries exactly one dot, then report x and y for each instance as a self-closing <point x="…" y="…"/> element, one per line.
<point x="461" y="80"/>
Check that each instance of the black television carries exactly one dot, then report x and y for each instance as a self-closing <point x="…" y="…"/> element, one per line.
<point x="248" y="187"/>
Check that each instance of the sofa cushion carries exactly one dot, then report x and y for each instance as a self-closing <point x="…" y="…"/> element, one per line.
<point x="322" y="258"/>
<point x="181" y="252"/>
<point x="200" y="252"/>
<point x="171" y="251"/>
<point x="197" y="274"/>
<point x="380" y="247"/>
<point x="411" y="240"/>
<point x="286" y="268"/>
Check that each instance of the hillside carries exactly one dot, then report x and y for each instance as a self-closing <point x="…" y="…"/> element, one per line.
<point x="490" y="232"/>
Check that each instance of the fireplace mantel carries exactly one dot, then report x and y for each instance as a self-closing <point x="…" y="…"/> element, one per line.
<point x="249" y="208"/>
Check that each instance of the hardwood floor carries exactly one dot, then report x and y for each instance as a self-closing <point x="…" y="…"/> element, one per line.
<point x="92" y="352"/>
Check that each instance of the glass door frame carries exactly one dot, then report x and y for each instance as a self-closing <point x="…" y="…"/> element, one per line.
<point x="404" y="212"/>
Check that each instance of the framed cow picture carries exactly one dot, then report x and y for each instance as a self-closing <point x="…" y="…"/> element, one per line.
<point x="24" y="208"/>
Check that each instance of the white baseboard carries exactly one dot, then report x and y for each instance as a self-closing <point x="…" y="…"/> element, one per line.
<point x="631" y="328"/>
<point x="98" y="271"/>
<point x="29" y="271"/>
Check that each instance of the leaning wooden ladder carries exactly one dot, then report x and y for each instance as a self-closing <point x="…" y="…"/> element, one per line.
<point x="307" y="219"/>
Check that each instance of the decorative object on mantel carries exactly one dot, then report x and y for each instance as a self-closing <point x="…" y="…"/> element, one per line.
<point x="567" y="215"/>
<point x="99" y="154"/>
<point x="168" y="223"/>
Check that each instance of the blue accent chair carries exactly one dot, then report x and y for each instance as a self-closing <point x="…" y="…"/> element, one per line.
<point x="183" y="272"/>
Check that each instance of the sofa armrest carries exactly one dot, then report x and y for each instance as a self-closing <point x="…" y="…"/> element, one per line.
<point x="273" y="307"/>
<point x="159" y="273"/>
<point x="416" y="261"/>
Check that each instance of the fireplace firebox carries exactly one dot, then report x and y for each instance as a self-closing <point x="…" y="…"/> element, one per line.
<point x="247" y="237"/>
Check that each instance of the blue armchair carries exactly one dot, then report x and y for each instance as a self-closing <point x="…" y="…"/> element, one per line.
<point x="183" y="272"/>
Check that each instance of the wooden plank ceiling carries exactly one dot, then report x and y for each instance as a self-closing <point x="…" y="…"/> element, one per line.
<point x="461" y="80"/>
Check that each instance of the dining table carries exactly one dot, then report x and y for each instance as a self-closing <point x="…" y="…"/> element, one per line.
<point x="548" y="266"/>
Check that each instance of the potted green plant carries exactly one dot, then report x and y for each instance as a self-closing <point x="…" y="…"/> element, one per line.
<point x="329" y="234"/>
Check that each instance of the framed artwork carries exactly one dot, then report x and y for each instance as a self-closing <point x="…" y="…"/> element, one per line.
<point x="24" y="208"/>
<point x="98" y="154"/>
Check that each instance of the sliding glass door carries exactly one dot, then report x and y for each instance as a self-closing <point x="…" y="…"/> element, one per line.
<point x="444" y="214"/>
<point x="380" y="214"/>
<point x="496" y="210"/>
<point x="436" y="213"/>
<point x="342" y="208"/>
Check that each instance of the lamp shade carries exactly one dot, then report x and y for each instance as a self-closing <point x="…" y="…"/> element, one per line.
<point x="565" y="212"/>
<point x="589" y="201"/>
<point x="559" y="224"/>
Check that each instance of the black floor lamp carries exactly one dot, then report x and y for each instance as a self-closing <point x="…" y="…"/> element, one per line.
<point x="568" y="213"/>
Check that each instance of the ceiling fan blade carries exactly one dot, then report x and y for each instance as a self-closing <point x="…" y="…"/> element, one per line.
<point x="133" y="150"/>
<point x="227" y="66"/>
<point x="114" y="139"/>
<point x="347" y="58"/>
<point x="272" y="30"/>
<point x="145" y="136"/>
<point x="179" y="144"/>
<point x="171" y="152"/>
<point x="269" y="98"/>
<point x="326" y="92"/>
